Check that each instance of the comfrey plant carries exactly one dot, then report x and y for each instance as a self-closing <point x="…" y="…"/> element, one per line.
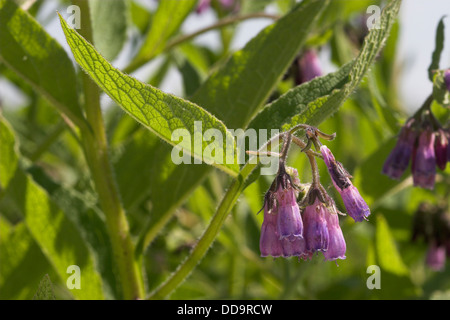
<point x="301" y="227"/>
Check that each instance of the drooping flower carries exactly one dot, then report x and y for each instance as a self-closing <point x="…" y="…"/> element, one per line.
<point x="336" y="245"/>
<point x="316" y="231"/>
<point x="398" y="159"/>
<point x="289" y="221"/>
<point x="269" y="242"/>
<point x="282" y="229"/>
<point x="355" y="205"/>
<point x="441" y="149"/>
<point x="424" y="162"/>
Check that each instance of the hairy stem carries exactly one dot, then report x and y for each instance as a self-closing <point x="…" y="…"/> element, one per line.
<point x="208" y="236"/>
<point x="96" y="152"/>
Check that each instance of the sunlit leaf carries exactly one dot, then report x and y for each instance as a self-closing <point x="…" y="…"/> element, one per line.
<point x="160" y="112"/>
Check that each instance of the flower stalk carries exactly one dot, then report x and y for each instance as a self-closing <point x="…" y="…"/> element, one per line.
<point x="96" y="152"/>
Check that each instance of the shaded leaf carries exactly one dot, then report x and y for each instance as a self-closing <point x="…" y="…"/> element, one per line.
<point x="28" y="49"/>
<point x="109" y="26"/>
<point x="45" y="290"/>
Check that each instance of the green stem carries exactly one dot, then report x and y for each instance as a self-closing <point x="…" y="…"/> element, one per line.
<point x="208" y="236"/>
<point x="96" y="152"/>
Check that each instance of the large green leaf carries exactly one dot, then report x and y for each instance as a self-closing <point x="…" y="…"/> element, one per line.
<point x="160" y="112"/>
<point x="54" y="233"/>
<point x="165" y="22"/>
<point x="296" y="101"/>
<point x="325" y="106"/>
<point x="26" y="48"/>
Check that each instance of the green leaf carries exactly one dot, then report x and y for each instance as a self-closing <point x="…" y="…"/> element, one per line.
<point x="8" y="157"/>
<point x="325" y="106"/>
<point x="165" y="23"/>
<point x="296" y="101"/>
<point x="54" y="233"/>
<point x="439" y="46"/>
<point x="82" y="211"/>
<point x="26" y="48"/>
<point x="237" y="91"/>
<point x="18" y="251"/>
<point x="109" y="26"/>
<point x="45" y="290"/>
<point x="159" y="112"/>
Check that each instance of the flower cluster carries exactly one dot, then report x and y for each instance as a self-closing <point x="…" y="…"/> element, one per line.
<point x="432" y="223"/>
<point x="423" y="140"/>
<point x="301" y="228"/>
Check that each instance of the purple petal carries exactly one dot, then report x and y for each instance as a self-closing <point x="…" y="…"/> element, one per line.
<point x="424" y="170"/>
<point x="336" y="247"/>
<point x="315" y="227"/>
<point x="436" y="257"/>
<point x="356" y="207"/>
<point x="289" y="220"/>
<point x="398" y="159"/>
<point x="269" y="243"/>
